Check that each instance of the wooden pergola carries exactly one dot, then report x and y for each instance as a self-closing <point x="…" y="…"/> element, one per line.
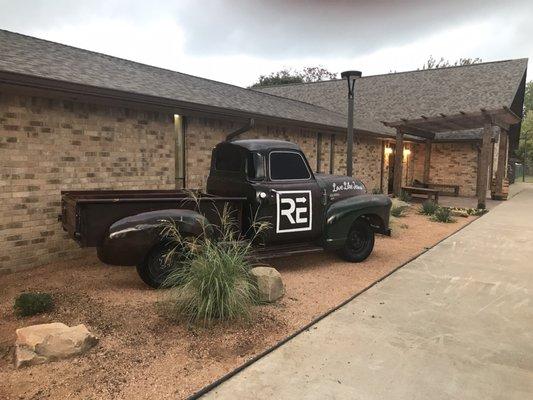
<point x="426" y="127"/>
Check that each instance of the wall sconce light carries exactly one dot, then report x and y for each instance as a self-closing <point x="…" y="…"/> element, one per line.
<point x="406" y="152"/>
<point x="388" y="151"/>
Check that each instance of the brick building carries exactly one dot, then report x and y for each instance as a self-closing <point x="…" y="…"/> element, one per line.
<point x="75" y="119"/>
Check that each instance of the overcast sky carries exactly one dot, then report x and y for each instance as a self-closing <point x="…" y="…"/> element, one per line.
<point x="235" y="41"/>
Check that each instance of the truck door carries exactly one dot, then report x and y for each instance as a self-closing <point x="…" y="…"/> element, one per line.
<point x="293" y="203"/>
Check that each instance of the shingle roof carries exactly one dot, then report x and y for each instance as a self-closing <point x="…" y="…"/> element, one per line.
<point x="27" y="55"/>
<point x="322" y="105"/>
<point x="410" y="95"/>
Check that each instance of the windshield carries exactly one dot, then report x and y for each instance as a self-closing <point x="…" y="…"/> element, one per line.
<point x="288" y="165"/>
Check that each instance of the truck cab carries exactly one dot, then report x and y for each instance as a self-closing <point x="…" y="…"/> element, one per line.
<point x="281" y="189"/>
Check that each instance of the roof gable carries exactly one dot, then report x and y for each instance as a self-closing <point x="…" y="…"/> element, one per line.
<point x="410" y="95"/>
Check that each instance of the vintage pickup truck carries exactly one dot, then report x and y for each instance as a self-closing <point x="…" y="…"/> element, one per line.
<point x="269" y="180"/>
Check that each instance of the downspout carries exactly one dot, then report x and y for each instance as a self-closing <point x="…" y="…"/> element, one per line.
<point x="231" y="136"/>
<point x="180" y="124"/>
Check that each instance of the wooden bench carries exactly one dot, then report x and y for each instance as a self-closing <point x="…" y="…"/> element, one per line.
<point x="420" y="190"/>
<point x="455" y="188"/>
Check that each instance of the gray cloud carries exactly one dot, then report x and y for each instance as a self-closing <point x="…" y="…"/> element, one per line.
<point x="290" y="30"/>
<point x="278" y="29"/>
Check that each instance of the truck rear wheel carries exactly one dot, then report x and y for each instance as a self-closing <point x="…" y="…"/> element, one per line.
<point x="153" y="270"/>
<point x="359" y="243"/>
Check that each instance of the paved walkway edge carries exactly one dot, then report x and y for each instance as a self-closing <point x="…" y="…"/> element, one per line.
<point x="222" y="379"/>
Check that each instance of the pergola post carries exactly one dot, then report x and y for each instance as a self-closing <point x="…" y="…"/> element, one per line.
<point x="501" y="169"/>
<point x="483" y="170"/>
<point x="427" y="161"/>
<point x="398" y="163"/>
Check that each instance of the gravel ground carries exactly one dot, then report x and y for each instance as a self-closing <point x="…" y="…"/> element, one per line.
<point x="143" y="355"/>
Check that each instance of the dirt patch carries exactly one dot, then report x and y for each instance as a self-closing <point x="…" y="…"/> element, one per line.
<point x="144" y="355"/>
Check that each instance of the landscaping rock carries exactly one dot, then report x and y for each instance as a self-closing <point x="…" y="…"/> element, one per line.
<point x="38" y="344"/>
<point x="460" y="213"/>
<point x="269" y="283"/>
<point x="399" y="203"/>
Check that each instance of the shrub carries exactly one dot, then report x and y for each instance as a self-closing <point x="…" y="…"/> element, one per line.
<point x="27" y="304"/>
<point x="404" y="196"/>
<point x="398" y="211"/>
<point x="210" y="275"/>
<point x="477" y="211"/>
<point x="428" y="207"/>
<point x="443" y="214"/>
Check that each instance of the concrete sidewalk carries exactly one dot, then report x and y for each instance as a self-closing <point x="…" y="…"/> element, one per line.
<point x="456" y="323"/>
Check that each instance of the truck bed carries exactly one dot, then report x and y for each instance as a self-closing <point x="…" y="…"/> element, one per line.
<point x="87" y="215"/>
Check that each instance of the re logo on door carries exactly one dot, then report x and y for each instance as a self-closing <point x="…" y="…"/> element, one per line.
<point x="293" y="211"/>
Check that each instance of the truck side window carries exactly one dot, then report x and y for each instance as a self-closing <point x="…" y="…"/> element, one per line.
<point x="255" y="167"/>
<point x="228" y="159"/>
<point x="287" y="165"/>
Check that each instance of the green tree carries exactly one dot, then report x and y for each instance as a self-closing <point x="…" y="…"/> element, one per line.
<point x="526" y="139"/>
<point x="317" y="74"/>
<point x="528" y="99"/>
<point x="287" y="76"/>
<point x="433" y="63"/>
<point x="526" y="131"/>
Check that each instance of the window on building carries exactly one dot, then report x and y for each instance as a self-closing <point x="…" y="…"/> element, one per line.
<point x="288" y="165"/>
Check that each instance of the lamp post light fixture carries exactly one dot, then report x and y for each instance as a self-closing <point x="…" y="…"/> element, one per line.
<point x="350" y="77"/>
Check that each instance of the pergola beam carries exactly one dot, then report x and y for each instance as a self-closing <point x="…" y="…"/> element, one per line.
<point x="502" y="117"/>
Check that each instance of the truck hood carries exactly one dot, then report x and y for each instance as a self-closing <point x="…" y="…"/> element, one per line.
<point x="340" y="187"/>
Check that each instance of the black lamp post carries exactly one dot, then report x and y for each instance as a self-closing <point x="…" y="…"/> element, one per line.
<point x="350" y="77"/>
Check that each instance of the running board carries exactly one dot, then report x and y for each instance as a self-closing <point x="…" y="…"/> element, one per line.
<point x="286" y="250"/>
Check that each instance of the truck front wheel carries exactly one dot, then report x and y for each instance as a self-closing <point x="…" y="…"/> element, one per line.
<point x="359" y="243"/>
<point x="153" y="270"/>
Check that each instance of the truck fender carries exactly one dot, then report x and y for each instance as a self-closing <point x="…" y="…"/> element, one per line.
<point x="128" y="240"/>
<point x="340" y="216"/>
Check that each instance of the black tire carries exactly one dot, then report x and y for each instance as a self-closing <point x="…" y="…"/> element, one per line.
<point x="359" y="243"/>
<point x="153" y="270"/>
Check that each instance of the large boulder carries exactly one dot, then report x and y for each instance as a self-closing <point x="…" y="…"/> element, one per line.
<point x="269" y="284"/>
<point x="38" y="344"/>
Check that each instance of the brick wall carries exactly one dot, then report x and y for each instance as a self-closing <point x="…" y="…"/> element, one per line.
<point x="366" y="162"/>
<point x="202" y="134"/>
<point x="455" y="163"/>
<point x="48" y="145"/>
<point x="51" y="144"/>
